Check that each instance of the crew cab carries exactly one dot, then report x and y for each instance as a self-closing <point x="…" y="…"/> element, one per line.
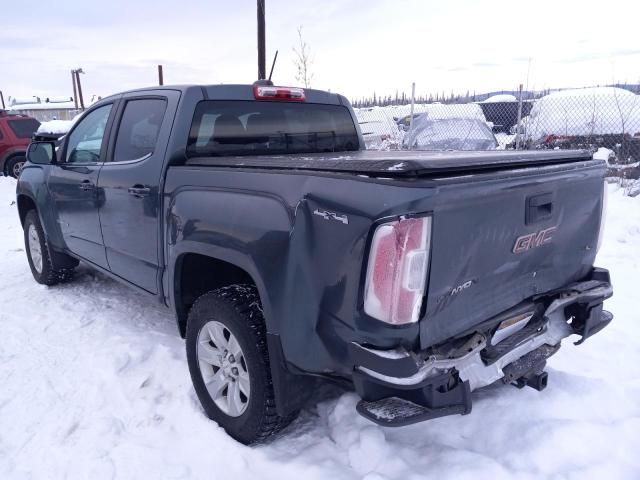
<point x="15" y="134"/>
<point x="290" y="255"/>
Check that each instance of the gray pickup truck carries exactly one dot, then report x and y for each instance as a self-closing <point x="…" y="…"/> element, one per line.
<point x="292" y="256"/>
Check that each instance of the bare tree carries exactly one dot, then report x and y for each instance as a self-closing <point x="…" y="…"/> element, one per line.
<point x="303" y="61"/>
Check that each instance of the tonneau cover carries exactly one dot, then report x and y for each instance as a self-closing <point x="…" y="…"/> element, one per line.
<point x="399" y="163"/>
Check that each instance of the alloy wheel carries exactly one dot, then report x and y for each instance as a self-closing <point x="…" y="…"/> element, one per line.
<point x="35" y="250"/>
<point x="223" y="368"/>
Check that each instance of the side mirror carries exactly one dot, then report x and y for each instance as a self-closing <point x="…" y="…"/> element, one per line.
<point x="41" y="153"/>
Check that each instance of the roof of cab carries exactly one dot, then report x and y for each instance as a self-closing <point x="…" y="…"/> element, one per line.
<point x="237" y="92"/>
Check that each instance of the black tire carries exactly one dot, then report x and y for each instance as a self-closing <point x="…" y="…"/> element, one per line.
<point x="238" y="308"/>
<point x="55" y="267"/>
<point x="14" y="165"/>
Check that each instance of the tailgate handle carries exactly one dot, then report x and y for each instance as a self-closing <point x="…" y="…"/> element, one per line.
<point x="539" y="208"/>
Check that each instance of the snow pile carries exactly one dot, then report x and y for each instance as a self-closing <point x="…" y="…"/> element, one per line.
<point x="586" y="111"/>
<point x="59" y="99"/>
<point x="94" y="384"/>
<point x="58" y="127"/>
<point x="42" y="106"/>
<point x="603" y="153"/>
<point x="55" y="126"/>
<point x="500" y="98"/>
<point x="437" y="111"/>
<point x="23" y="101"/>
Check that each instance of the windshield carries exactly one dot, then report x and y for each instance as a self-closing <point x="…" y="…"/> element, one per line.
<point x="265" y="128"/>
<point x="449" y="134"/>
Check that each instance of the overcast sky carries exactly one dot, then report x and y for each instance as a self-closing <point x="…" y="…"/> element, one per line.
<point x="358" y="46"/>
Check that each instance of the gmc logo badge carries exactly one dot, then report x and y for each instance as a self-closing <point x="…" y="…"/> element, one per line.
<point x="534" y="240"/>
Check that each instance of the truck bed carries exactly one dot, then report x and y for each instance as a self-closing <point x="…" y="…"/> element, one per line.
<point x="400" y="163"/>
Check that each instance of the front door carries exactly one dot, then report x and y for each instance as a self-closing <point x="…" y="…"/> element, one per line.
<point x="130" y="181"/>
<point x="73" y="185"/>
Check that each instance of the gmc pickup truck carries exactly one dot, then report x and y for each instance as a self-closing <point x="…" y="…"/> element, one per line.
<point x="291" y="255"/>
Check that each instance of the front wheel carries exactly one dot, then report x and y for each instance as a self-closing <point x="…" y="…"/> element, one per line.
<point x="229" y="363"/>
<point x="47" y="267"/>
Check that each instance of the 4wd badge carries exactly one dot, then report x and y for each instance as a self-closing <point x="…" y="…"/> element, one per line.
<point x="533" y="240"/>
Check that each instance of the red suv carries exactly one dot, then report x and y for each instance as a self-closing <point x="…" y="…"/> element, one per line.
<point x="15" y="134"/>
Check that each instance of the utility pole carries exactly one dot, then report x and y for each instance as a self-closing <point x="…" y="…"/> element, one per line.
<point x="262" y="70"/>
<point x="78" y="72"/>
<point x="413" y="102"/>
<point x="160" y="76"/>
<point x="75" y="90"/>
<point x="518" y="126"/>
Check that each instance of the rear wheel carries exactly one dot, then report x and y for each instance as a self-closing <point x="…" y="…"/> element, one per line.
<point x="229" y="363"/>
<point x="47" y="267"/>
<point x="14" y="166"/>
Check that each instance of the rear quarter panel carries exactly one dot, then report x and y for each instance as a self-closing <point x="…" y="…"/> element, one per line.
<point x="307" y="268"/>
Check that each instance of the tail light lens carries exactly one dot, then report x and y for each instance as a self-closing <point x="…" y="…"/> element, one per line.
<point x="397" y="270"/>
<point x="285" y="94"/>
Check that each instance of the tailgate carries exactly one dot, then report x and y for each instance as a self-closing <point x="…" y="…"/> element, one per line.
<point x="499" y="239"/>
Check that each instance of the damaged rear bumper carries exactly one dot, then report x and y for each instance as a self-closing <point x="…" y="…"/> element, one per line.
<point x="400" y="387"/>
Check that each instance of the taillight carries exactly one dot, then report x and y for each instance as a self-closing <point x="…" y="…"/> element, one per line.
<point x="286" y="94"/>
<point x="397" y="270"/>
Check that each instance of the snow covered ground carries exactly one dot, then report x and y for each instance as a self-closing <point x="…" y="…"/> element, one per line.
<point x="94" y="385"/>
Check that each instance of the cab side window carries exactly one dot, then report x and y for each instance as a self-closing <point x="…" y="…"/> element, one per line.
<point x="139" y="129"/>
<point x="85" y="141"/>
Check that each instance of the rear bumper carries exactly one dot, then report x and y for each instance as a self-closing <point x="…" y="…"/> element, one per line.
<point x="400" y="387"/>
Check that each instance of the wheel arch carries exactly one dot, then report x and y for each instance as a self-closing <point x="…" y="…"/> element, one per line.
<point x="25" y="204"/>
<point x="196" y="273"/>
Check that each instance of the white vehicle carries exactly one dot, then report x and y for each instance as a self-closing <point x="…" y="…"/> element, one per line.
<point x="449" y="134"/>
<point x="585" y="112"/>
<point x="378" y="134"/>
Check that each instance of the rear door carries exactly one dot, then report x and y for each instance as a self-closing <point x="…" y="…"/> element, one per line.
<point x="131" y="184"/>
<point x="73" y="184"/>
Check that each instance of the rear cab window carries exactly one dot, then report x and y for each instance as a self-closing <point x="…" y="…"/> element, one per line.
<point x="139" y="129"/>
<point x="23" y="127"/>
<point x="222" y="128"/>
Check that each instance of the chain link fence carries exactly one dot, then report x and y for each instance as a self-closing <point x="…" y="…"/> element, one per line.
<point x="605" y="120"/>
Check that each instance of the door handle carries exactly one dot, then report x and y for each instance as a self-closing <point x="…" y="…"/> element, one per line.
<point x="87" y="186"/>
<point x="139" y="191"/>
<point x="539" y="208"/>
